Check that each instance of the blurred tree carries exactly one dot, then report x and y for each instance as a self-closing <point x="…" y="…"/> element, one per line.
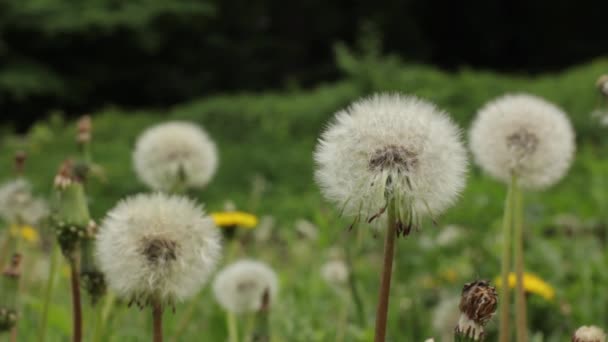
<point x="78" y="55"/>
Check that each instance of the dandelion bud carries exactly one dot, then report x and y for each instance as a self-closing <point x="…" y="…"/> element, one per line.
<point x="20" y="158"/>
<point x="478" y="304"/>
<point x="84" y="128"/>
<point x="246" y="286"/>
<point x="589" y="334"/>
<point x="9" y="290"/>
<point x="157" y="248"/>
<point x="93" y="279"/>
<point x="71" y="217"/>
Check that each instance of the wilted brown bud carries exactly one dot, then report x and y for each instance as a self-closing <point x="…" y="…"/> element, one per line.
<point x="20" y="158"/>
<point x="479" y="301"/>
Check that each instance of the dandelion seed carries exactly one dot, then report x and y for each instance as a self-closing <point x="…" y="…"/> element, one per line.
<point x="523" y="135"/>
<point x="157" y="247"/>
<point x="175" y="154"/>
<point x="240" y="287"/>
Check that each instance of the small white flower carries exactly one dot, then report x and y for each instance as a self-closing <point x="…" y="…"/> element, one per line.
<point x="241" y="287"/>
<point x="391" y="148"/>
<point x="172" y="152"/>
<point x="523" y="135"/>
<point x="157" y="246"/>
<point x="589" y="334"/>
<point x="19" y="206"/>
<point x="335" y="272"/>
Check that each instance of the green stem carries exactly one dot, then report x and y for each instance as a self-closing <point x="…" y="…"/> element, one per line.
<point x="352" y="283"/>
<point x="98" y="332"/>
<point x="233" y="333"/>
<point x="48" y="293"/>
<point x="387" y="271"/>
<point x="520" y="298"/>
<point x="504" y="301"/>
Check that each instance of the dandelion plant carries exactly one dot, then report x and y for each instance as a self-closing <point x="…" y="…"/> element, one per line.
<point x="391" y="160"/>
<point x="527" y="143"/>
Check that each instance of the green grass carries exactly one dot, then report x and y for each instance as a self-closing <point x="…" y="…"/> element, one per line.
<point x="266" y="142"/>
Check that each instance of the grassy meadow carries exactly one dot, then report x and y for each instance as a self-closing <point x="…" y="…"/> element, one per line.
<point x="265" y="143"/>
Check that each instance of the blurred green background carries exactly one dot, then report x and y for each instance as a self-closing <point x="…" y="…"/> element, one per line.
<point x="264" y="78"/>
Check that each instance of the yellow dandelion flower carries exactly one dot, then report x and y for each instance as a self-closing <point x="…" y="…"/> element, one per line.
<point x="27" y="233"/>
<point x="450" y="275"/>
<point x="532" y="284"/>
<point x="234" y="219"/>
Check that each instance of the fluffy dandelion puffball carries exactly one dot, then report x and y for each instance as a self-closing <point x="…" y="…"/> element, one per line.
<point x="245" y="285"/>
<point x="19" y="206"/>
<point x="523" y="135"/>
<point x="391" y="148"/>
<point x="589" y="334"/>
<point x="335" y="272"/>
<point x="156" y="246"/>
<point x="177" y="152"/>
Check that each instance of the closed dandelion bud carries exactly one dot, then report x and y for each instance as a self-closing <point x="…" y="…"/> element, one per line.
<point x="246" y="286"/>
<point x="391" y="150"/>
<point x="93" y="279"/>
<point x="589" y="334"/>
<point x="175" y="156"/>
<point x="478" y="304"/>
<point x="525" y="136"/>
<point x="157" y="248"/>
<point x="9" y="290"/>
<point x="71" y="217"/>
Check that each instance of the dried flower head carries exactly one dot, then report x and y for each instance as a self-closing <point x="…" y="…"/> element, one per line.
<point x="175" y="153"/>
<point x="523" y="135"/>
<point x="246" y="286"/>
<point x="589" y="334"/>
<point x="157" y="246"/>
<point x="19" y="206"/>
<point x="478" y="304"/>
<point x="391" y="149"/>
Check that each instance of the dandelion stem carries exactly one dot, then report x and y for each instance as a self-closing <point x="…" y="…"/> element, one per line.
<point x="387" y="270"/>
<point x="352" y="283"/>
<point x="157" y="320"/>
<point x="504" y="301"/>
<point x="48" y="293"/>
<point x="98" y="322"/>
<point x="233" y="334"/>
<point x="520" y="299"/>
<point x="76" y="303"/>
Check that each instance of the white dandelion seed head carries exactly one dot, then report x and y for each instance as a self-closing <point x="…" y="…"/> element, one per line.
<point x="445" y="317"/>
<point x="166" y="152"/>
<point x="525" y="135"/>
<point x="157" y="246"/>
<point x="391" y="146"/>
<point x="241" y="286"/>
<point x="18" y="205"/>
<point x="589" y="334"/>
<point x="335" y="272"/>
<point x="307" y="229"/>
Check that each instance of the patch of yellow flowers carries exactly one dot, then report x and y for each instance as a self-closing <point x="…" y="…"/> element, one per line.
<point x="27" y="233"/>
<point x="234" y="219"/>
<point x="532" y="284"/>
